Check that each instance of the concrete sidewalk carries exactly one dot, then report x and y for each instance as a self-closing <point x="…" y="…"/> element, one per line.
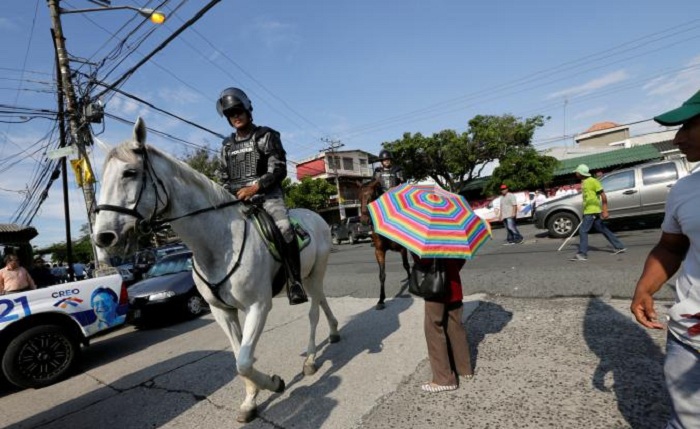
<point x="565" y="363"/>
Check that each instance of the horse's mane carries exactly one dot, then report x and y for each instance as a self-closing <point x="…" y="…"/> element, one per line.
<point x="182" y="174"/>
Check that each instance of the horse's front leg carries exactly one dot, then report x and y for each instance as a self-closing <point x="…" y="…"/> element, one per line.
<point x="231" y="324"/>
<point x="252" y="328"/>
<point x="380" y="254"/>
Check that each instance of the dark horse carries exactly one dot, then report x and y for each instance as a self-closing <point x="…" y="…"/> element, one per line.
<point x="368" y="193"/>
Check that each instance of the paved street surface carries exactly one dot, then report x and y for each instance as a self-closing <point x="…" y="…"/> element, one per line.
<point x="571" y="362"/>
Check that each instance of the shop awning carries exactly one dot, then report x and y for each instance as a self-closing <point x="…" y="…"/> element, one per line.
<point x="613" y="158"/>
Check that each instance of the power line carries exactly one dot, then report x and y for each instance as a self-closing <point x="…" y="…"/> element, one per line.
<point x="131" y="71"/>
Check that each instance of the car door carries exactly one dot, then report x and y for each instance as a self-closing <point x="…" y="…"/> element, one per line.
<point x="657" y="180"/>
<point x="623" y="194"/>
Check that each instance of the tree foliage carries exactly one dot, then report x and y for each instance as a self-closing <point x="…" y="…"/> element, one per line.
<point x="82" y="248"/>
<point x="203" y="161"/>
<point x="453" y="159"/>
<point x="522" y="168"/>
<point x="312" y="194"/>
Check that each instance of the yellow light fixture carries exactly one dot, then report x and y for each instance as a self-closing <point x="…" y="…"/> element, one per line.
<point x="155" y="16"/>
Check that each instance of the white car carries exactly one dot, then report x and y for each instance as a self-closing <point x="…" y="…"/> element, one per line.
<point x="41" y="330"/>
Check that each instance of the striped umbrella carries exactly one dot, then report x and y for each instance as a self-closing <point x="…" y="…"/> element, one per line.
<point x="429" y="221"/>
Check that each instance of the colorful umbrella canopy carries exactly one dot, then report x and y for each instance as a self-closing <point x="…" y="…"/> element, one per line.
<point x="429" y="221"/>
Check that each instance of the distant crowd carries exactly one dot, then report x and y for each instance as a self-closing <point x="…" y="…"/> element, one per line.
<point x="45" y="274"/>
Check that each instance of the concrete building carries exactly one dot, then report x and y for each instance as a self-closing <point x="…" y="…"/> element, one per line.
<point x="347" y="170"/>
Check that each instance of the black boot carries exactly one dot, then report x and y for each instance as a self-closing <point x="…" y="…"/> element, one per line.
<point x="295" y="291"/>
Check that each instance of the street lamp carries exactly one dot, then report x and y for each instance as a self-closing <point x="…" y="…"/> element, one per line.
<point x="156" y="16"/>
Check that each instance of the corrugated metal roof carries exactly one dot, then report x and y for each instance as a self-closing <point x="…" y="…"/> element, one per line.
<point x="13" y="233"/>
<point x="666" y="146"/>
<point x="612" y="158"/>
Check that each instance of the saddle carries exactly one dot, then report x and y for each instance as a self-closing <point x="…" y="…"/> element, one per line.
<point x="272" y="236"/>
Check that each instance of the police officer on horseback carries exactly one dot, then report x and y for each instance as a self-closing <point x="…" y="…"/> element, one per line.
<point x="388" y="174"/>
<point x="254" y="163"/>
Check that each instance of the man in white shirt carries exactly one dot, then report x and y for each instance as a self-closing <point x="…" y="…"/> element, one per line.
<point x="678" y="248"/>
<point x="508" y="214"/>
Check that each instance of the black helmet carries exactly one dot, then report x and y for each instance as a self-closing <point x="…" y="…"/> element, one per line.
<point x="232" y="98"/>
<point x="385" y="154"/>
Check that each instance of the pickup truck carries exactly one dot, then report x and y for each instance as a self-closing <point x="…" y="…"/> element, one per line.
<point x="41" y="330"/>
<point x="633" y="192"/>
<point x="350" y="229"/>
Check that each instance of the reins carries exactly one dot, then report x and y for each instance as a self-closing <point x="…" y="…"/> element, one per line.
<point x="147" y="226"/>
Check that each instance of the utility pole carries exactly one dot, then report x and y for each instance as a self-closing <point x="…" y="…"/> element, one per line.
<point x="64" y="173"/>
<point x="332" y="146"/>
<point x="79" y="131"/>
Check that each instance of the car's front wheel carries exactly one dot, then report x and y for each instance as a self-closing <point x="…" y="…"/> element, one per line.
<point x="40" y="356"/>
<point x="562" y="224"/>
<point x="335" y="240"/>
<point x="194" y="305"/>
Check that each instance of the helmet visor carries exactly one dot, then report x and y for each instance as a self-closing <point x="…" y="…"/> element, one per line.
<point x="229" y="102"/>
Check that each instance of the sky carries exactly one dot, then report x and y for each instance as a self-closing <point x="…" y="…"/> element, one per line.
<point x="361" y="72"/>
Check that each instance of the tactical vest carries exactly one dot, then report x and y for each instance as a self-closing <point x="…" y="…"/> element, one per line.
<point x="388" y="178"/>
<point x="244" y="159"/>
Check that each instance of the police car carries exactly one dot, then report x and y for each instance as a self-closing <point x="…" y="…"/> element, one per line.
<point x="41" y="330"/>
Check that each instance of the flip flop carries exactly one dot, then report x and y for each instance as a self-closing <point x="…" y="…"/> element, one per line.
<point x="435" y="388"/>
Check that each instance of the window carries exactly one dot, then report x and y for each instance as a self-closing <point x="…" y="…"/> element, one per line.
<point x="618" y="181"/>
<point x="333" y="162"/>
<point x="347" y="164"/>
<point x="659" y="173"/>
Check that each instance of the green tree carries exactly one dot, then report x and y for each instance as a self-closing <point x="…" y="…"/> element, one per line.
<point x="522" y="168"/>
<point x="453" y="159"/>
<point x="312" y="194"/>
<point x="204" y="161"/>
<point x="82" y="248"/>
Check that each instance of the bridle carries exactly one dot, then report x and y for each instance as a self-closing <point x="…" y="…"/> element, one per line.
<point x="150" y="224"/>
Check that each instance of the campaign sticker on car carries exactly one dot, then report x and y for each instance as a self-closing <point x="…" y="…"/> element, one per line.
<point x="13" y="309"/>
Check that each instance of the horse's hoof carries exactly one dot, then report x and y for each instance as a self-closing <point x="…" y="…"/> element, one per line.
<point x="310" y="369"/>
<point x="280" y="384"/>
<point x="334" y="338"/>
<point x="380" y="306"/>
<point x="246" y="416"/>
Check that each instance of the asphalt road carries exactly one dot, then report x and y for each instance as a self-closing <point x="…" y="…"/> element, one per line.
<point x="534" y="269"/>
<point x="556" y="361"/>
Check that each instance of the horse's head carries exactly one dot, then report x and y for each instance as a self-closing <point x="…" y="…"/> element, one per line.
<point x="131" y="193"/>
<point x="369" y="192"/>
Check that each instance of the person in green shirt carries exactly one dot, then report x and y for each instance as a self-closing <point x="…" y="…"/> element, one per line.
<point x="595" y="209"/>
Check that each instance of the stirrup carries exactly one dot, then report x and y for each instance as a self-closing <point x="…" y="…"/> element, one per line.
<point x="297" y="294"/>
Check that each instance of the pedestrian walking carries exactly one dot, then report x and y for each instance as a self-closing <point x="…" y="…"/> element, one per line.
<point x="678" y="247"/>
<point x="445" y="336"/>
<point x="595" y="209"/>
<point x="508" y="215"/>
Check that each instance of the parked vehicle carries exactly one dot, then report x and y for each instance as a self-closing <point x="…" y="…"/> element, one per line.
<point x="491" y="211"/>
<point x="41" y="330"/>
<point x="633" y="192"/>
<point x="168" y="289"/>
<point x="144" y="259"/>
<point x="350" y="229"/>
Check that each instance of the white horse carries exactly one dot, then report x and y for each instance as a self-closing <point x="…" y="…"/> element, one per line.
<point x="233" y="268"/>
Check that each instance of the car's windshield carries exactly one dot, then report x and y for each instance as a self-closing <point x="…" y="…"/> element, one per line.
<point x="171" y="265"/>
